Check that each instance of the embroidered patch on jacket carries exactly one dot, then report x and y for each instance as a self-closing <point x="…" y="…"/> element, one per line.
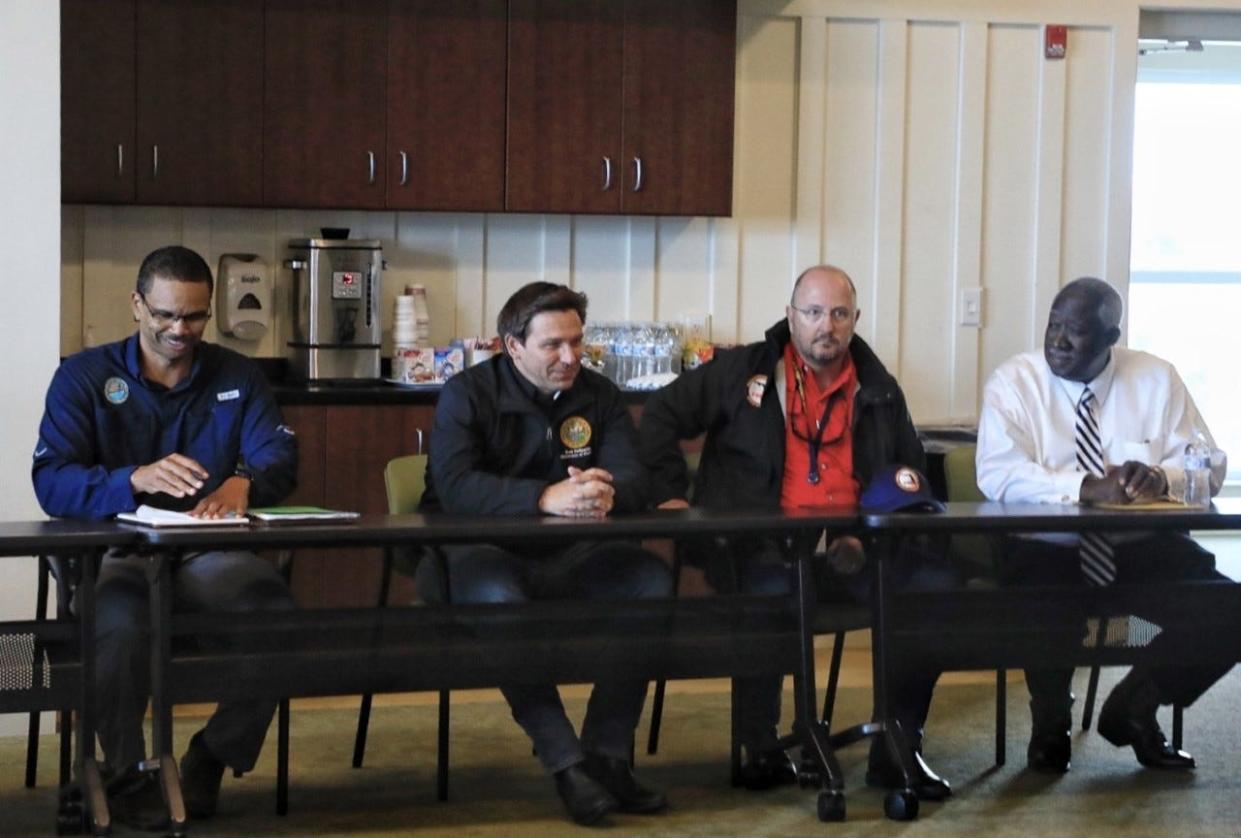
<point x="116" y="390"/>
<point x="754" y="389"/>
<point x="228" y="395"/>
<point x="575" y="433"/>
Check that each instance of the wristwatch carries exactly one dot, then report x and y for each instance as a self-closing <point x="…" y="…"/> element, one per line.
<point x="242" y="470"/>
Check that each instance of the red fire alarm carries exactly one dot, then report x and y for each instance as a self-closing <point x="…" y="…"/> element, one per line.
<point x="1055" y="41"/>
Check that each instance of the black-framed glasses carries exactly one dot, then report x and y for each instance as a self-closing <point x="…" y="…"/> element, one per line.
<point x="163" y="317"/>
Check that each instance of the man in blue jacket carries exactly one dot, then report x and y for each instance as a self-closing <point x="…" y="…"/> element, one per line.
<point x="529" y="432"/>
<point x="165" y="419"/>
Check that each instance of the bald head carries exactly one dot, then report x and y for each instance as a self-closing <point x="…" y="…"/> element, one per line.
<point x="830" y="273"/>
<point x="1082" y="328"/>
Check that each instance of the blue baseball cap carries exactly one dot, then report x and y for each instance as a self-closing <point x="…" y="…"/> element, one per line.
<point x="899" y="489"/>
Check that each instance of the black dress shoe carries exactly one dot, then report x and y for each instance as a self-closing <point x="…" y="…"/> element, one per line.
<point x="586" y="800"/>
<point x="616" y="776"/>
<point x="1049" y="753"/>
<point x="761" y="770"/>
<point x="1128" y="718"/>
<point x="882" y="772"/>
<point x="201" y="774"/>
<point x="135" y="800"/>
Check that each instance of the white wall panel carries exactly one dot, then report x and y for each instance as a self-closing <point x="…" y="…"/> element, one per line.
<point x="764" y="192"/>
<point x="684" y="267"/>
<point x="1013" y="143"/>
<point x="932" y="134"/>
<point x="849" y="154"/>
<point x="1087" y="145"/>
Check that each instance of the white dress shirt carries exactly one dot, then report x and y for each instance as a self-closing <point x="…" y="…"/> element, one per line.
<point x="1026" y="445"/>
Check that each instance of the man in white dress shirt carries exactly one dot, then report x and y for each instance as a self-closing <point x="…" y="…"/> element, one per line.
<point x="1035" y="446"/>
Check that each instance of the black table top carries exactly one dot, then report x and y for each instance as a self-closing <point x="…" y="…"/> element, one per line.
<point x="27" y="538"/>
<point x="1225" y="514"/>
<point x="372" y="530"/>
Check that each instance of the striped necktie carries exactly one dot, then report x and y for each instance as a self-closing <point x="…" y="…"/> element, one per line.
<point x="1097" y="556"/>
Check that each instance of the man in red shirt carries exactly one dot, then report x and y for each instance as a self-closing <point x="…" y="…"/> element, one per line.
<point x="805" y="417"/>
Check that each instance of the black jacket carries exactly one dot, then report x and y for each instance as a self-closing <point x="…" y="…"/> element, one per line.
<point x="496" y="444"/>
<point x="742" y="463"/>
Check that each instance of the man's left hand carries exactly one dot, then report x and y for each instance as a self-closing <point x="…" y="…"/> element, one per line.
<point x="231" y="499"/>
<point x="845" y="555"/>
<point x="1142" y="482"/>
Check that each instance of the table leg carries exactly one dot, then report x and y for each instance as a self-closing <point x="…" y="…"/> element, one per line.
<point x="808" y="727"/>
<point x="94" y="799"/>
<point x="900" y="804"/>
<point x="160" y="579"/>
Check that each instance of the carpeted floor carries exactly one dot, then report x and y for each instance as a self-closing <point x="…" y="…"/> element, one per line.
<point x="497" y="786"/>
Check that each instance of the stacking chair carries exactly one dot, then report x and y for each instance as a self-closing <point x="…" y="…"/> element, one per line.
<point x="405" y="479"/>
<point x="51" y="570"/>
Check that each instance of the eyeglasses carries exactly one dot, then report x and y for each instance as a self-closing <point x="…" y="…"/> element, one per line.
<point x="167" y="318"/>
<point x="814" y="314"/>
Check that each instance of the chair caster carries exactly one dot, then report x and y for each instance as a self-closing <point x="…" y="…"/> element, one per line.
<point x="901" y="805"/>
<point x="831" y="806"/>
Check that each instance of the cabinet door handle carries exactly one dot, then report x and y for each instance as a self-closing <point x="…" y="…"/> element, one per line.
<point x="154" y="162"/>
<point x="607" y="173"/>
<point x="120" y="160"/>
<point x="370" y="167"/>
<point x="404" y="168"/>
<point x="637" y="173"/>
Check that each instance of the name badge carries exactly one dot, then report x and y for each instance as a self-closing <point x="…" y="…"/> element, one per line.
<point x="228" y="395"/>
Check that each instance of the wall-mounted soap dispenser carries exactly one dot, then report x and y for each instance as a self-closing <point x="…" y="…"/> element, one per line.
<point x="243" y="296"/>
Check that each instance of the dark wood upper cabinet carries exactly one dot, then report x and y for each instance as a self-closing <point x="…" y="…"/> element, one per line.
<point x="680" y="66"/>
<point x="565" y="106"/>
<point x="446" y="76"/>
<point x="621" y="107"/>
<point x="97" y="101"/>
<point x="200" y="102"/>
<point x="564" y="119"/>
<point x="325" y="63"/>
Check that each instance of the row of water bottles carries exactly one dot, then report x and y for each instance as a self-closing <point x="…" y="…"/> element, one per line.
<point x="632" y="350"/>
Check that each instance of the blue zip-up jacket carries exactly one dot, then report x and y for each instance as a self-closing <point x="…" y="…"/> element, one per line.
<point x="102" y="420"/>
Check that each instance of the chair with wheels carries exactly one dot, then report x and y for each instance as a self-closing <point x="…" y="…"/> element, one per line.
<point x="405" y="480"/>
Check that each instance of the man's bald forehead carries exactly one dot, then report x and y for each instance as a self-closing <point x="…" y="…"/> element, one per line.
<point x="826" y="271"/>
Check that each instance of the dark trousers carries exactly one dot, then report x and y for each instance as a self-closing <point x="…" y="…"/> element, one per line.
<point x="1146" y="560"/>
<point x="761" y="566"/>
<point x="482" y="573"/>
<point x="203" y="582"/>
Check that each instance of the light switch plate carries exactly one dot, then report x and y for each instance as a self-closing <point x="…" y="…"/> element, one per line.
<point x="971" y="307"/>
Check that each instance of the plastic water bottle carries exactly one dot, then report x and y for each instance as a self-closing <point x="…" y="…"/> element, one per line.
<point x="1197" y="465"/>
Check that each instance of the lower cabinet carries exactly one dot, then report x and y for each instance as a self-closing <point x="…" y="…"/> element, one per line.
<point x="342" y="453"/>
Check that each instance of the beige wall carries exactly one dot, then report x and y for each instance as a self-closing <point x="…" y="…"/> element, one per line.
<point x="29" y="282"/>
<point x="924" y="145"/>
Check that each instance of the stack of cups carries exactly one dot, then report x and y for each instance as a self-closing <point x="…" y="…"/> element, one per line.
<point x="422" y="315"/>
<point x="404" y="338"/>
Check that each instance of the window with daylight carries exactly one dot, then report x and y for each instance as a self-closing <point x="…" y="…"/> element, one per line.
<point x="1185" y="264"/>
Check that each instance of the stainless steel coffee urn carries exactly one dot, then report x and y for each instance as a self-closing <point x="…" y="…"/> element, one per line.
<point x="336" y="293"/>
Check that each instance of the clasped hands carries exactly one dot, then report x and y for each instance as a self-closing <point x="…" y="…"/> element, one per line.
<point x="1132" y="482"/>
<point x="585" y="493"/>
<point x="181" y="476"/>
